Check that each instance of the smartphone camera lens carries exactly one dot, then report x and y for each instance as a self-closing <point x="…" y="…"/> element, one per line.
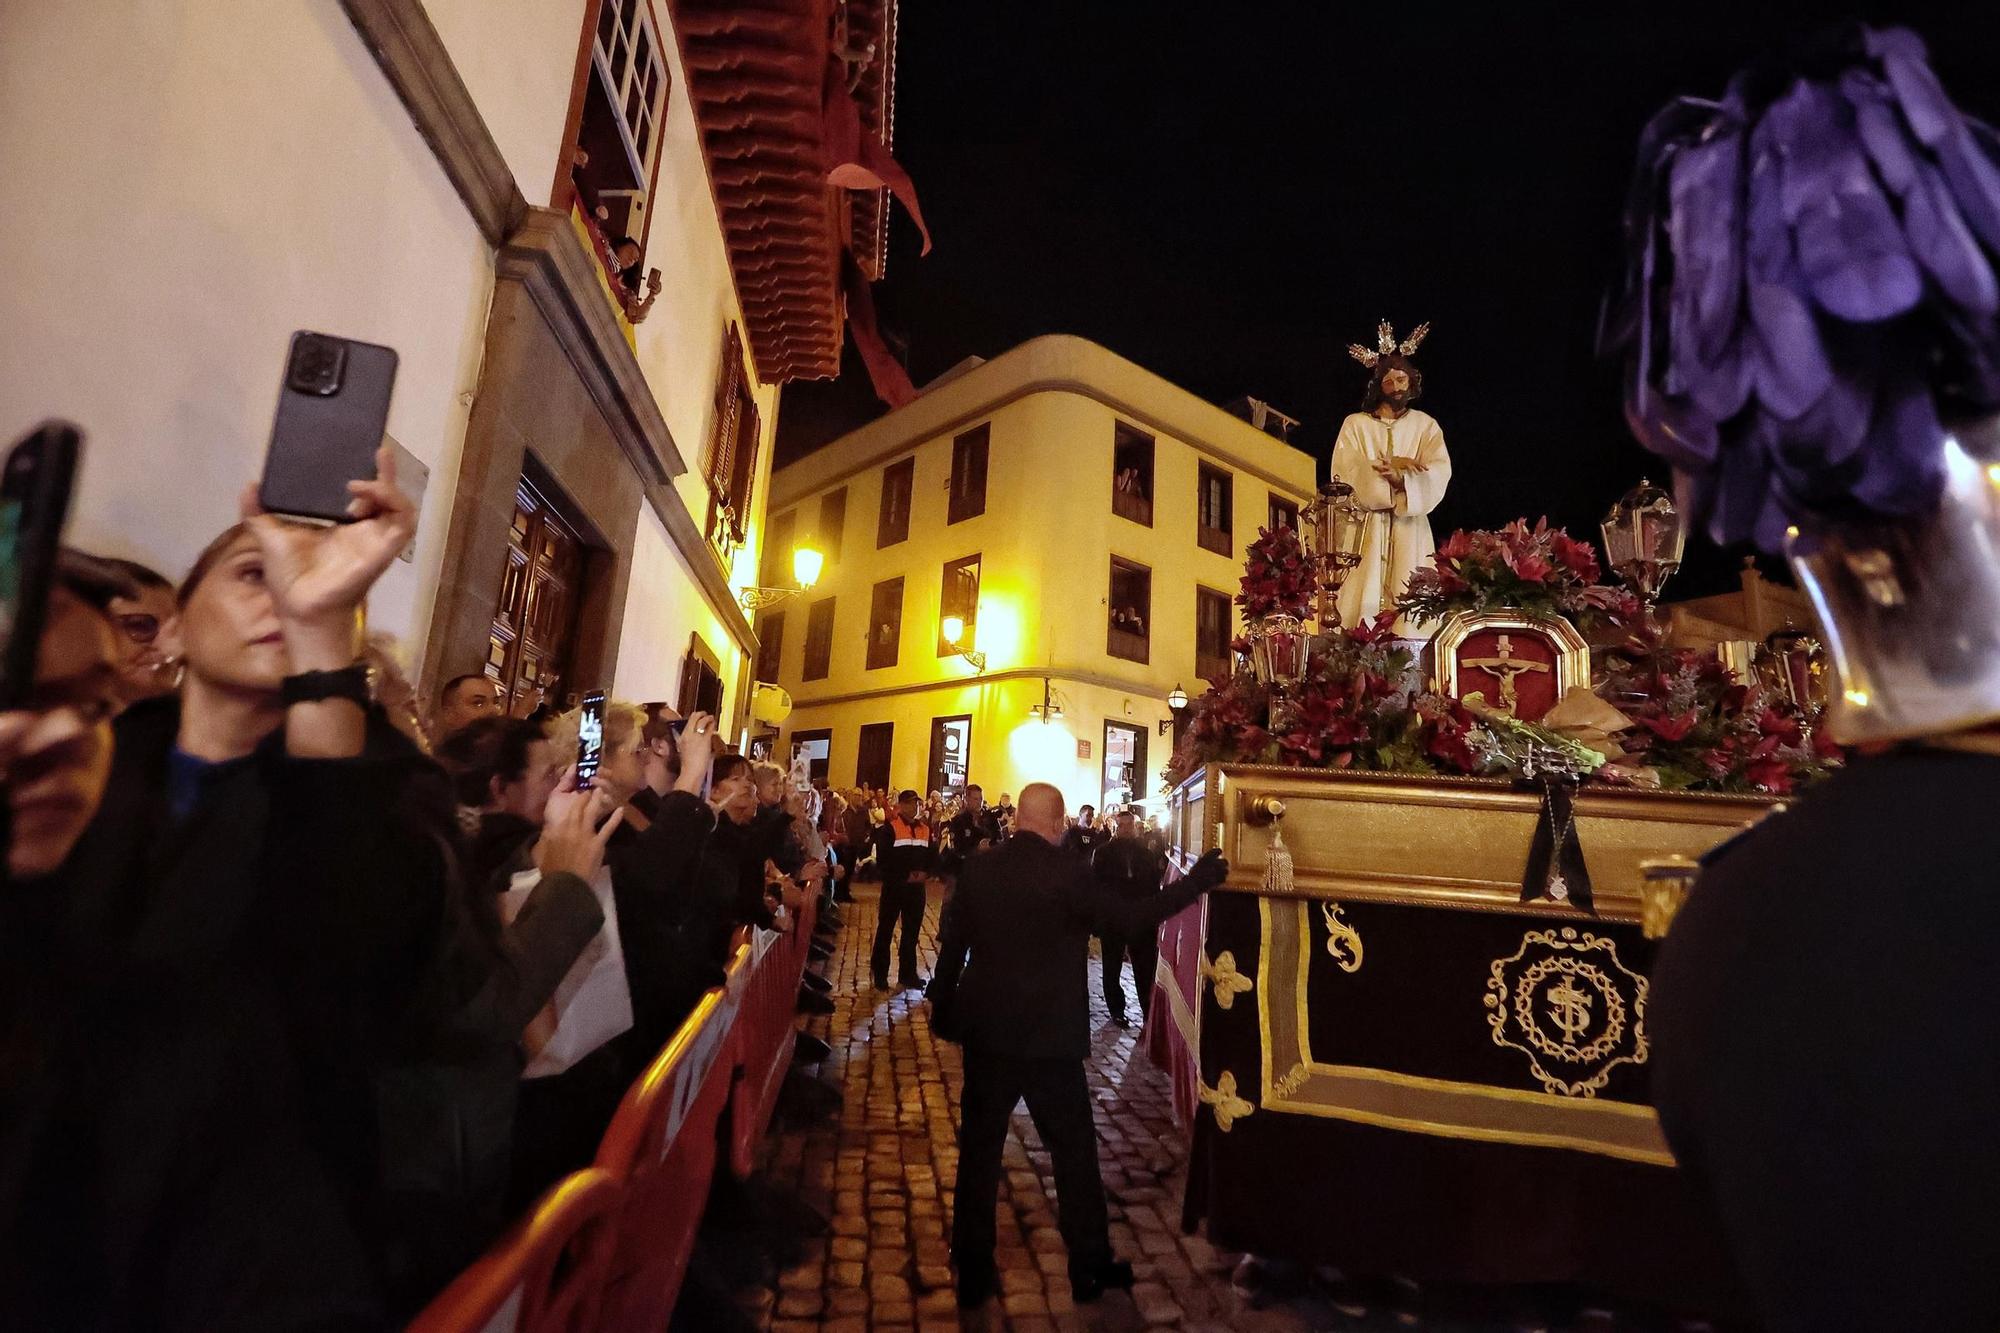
<point x="316" y="366"/>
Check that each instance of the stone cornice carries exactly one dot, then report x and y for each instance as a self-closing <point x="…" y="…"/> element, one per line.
<point x="407" y="47"/>
<point x="546" y="258"/>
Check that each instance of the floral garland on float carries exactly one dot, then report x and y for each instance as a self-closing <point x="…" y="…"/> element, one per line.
<point x="1652" y="716"/>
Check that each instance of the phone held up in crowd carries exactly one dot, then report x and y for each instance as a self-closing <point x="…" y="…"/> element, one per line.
<point x="35" y="486"/>
<point x="333" y="408"/>
<point x="589" y="738"/>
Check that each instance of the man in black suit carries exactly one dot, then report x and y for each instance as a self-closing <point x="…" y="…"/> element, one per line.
<point x="1020" y="1005"/>
<point x="1130" y="870"/>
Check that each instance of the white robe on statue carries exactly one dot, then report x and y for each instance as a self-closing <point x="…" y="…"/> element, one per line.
<point x="1398" y="535"/>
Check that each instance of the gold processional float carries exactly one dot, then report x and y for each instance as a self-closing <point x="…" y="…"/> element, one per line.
<point x="1409" y="1044"/>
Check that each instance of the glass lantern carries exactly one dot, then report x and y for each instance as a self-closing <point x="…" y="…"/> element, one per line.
<point x="1338" y="525"/>
<point x="1278" y="646"/>
<point x="1643" y="538"/>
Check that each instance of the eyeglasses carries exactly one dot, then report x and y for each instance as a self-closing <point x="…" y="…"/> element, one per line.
<point x="138" y="626"/>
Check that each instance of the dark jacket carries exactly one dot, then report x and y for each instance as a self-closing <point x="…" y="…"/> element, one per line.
<point x="902" y="851"/>
<point x="1083" y="842"/>
<point x="1128" y="867"/>
<point x="673" y="899"/>
<point x="244" y="975"/>
<point x="1825" y="1026"/>
<point x="972" y="830"/>
<point x="1014" y="942"/>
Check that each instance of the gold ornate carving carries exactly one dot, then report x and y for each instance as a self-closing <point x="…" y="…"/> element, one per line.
<point x="1229" y="1108"/>
<point x="1342" y="940"/>
<point x="1228" y="982"/>
<point x="1565" y="1000"/>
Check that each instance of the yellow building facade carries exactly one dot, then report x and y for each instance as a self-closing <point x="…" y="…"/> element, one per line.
<point x="1084" y="519"/>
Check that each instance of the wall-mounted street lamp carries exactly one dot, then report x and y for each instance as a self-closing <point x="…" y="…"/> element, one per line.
<point x="953" y="630"/>
<point x="1178" y="702"/>
<point x="806" y="565"/>
<point x="1048" y="711"/>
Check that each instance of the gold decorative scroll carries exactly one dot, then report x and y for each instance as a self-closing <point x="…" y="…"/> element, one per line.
<point x="1292" y="1082"/>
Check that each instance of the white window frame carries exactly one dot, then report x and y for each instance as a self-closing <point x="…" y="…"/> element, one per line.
<point x="618" y="79"/>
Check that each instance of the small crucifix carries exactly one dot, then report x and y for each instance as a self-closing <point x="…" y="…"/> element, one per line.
<point x="1504" y="668"/>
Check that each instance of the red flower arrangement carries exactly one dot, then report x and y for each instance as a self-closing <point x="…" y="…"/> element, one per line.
<point x="1351" y="710"/>
<point x="1540" y="570"/>
<point x="1277" y="576"/>
<point x="1696" y="727"/>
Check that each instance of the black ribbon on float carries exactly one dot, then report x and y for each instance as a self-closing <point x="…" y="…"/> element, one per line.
<point x="1555" y="854"/>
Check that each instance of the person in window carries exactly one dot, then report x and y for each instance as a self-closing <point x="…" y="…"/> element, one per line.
<point x="636" y="290"/>
<point x="145" y="620"/>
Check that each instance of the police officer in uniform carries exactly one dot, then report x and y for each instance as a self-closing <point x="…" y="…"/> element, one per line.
<point x="1011" y="986"/>
<point x="906" y="857"/>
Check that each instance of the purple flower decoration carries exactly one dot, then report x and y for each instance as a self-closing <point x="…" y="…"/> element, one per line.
<point x="1810" y="288"/>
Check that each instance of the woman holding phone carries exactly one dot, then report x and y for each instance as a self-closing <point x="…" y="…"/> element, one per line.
<point x="267" y="885"/>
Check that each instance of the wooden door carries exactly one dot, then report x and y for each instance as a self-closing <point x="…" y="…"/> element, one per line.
<point x="528" y="653"/>
<point x="871" y="756"/>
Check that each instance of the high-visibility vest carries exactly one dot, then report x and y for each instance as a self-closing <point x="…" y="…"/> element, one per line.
<point x="906" y="836"/>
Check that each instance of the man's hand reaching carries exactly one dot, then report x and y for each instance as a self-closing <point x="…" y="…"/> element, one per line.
<point x="1210" y="871"/>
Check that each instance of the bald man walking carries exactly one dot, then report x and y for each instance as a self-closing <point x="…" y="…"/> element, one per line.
<point x="1010" y="985"/>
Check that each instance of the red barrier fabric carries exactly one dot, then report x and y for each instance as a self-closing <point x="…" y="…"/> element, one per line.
<point x="768" y="1029"/>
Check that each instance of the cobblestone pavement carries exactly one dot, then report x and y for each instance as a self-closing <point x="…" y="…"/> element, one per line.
<point x="882" y="1172"/>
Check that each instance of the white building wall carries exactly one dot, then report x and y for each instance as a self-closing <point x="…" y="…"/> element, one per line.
<point x="518" y="60"/>
<point x="188" y="181"/>
<point x="192" y="180"/>
<point x="662" y="606"/>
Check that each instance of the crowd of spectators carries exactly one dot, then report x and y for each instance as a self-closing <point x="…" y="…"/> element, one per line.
<point x="304" y="994"/>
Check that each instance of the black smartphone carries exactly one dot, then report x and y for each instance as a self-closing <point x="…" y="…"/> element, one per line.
<point x="35" y="484"/>
<point x="332" y="410"/>
<point x="589" y="738"/>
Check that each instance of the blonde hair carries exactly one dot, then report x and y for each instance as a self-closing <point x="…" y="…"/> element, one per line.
<point x="621" y="722"/>
<point x="760" y="773"/>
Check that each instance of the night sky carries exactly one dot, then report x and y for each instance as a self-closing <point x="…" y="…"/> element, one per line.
<point x="1230" y="194"/>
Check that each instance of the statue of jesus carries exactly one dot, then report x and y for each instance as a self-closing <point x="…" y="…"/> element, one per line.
<point x="1394" y="457"/>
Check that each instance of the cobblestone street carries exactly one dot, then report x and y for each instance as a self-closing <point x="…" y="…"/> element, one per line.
<point x="882" y="1172"/>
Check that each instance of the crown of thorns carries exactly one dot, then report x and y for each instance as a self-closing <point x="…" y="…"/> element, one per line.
<point x="1385" y="343"/>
